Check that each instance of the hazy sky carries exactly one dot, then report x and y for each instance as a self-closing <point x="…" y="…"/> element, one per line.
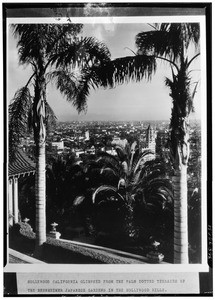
<point x="134" y="101"/>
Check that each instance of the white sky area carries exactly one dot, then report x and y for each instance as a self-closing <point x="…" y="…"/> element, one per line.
<point x="146" y="100"/>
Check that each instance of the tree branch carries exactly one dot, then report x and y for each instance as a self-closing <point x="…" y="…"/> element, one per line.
<point x="30" y="79"/>
<point x="130" y="50"/>
<point x="171" y="62"/>
<point x="152" y="26"/>
<point x="192" y="59"/>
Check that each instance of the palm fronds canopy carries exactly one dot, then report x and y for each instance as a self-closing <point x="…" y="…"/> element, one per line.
<point x="168" y="40"/>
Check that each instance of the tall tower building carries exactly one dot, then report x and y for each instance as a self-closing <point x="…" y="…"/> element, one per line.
<point x="150" y="138"/>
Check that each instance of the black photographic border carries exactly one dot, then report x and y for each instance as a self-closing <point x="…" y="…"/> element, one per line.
<point x="117" y="9"/>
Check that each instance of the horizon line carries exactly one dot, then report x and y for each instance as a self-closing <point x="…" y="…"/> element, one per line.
<point x="137" y="120"/>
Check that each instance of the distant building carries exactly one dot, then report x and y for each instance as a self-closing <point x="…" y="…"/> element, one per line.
<point x="59" y="145"/>
<point x="79" y="152"/>
<point x="87" y="135"/>
<point x="150" y="143"/>
<point x="120" y="142"/>
<point x="150" y="138"/>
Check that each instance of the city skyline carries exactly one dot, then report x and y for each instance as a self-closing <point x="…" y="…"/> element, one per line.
<point x="146" y="100"/>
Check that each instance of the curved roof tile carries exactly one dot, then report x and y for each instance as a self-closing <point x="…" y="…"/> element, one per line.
<point x="21" y="165"/>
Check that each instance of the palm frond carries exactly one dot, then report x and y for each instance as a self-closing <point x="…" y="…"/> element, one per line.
<point x="38" y="42"/>
<point x="125" y="168"/>
<point x="30" y="120"/>
<point x="28" y="44"/>
<point x="112" y="73"/>
<point x="82" y="90"/>
<point x="108" y="171"/>
<point x="127" y="149"/>
<point x="67" y="83"/>
<point x="193" y="94"/>
<point x="91" y="164"/>
<point x="133" y="146"/>
<point x="160" y="184"/>
<point x="109" y="176"/>
<point x="132" y="154"/>
<point x="155" y="166"/>
<point x="191" y="34"/>
<point x="142" y="158"/>
<point x="159" y="192"/>
<point x="135" y="160"/>
<point x="103" y="188"/>
<point x="159" y="43"/>
<point x="78" y="200"/>
<point x="126" y="69"/>
<point x="19" y="118"/>
<point x="51" y="119"/>
<point x="120" y="152"/>
<point x="168" y="39"/>
<point x="86" y="51"/>
<point x="108" y="160"/>
<point x="107" y="157"/>
<point x="182" y="106"/>
<point x="60" y="35"/>
<point x="135" y="178"/>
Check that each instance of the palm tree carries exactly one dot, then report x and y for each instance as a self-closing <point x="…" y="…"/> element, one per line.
<point x="177" y="44"/>
<point x="123" y="170"/>
<point x="140" y="190"/>
<point x="46" y="48"/>
<point x="180" y="87"/>
<point x="154" y="200"/>
<point x="120" y="175"/>
<point x="113" y="177"/>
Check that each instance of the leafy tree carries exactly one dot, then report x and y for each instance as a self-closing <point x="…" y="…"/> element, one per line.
<point x="52" y="51"/>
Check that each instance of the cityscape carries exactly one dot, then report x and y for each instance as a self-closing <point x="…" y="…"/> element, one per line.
<point x="89" y="137"/>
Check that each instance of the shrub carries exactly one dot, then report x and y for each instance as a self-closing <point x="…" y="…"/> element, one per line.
<point x="22" y="238"/>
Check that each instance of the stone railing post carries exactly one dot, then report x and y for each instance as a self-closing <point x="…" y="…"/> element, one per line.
<point x="54" y="233"/>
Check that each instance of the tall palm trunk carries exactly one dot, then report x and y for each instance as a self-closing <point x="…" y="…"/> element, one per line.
<point x="180" y="216"/>
<point x="180" y="195"/>
<point x="40" y="196"/>
<point x="40" y="184"/>
<point x="182" y="105"/>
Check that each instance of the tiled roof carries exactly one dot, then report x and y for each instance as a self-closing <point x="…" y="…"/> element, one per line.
<point x="21" y="165"/>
